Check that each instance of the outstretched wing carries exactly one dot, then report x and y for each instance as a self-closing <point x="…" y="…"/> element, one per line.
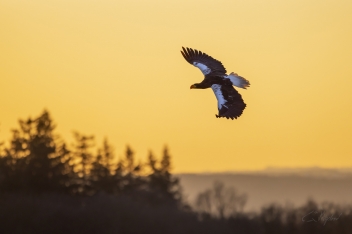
<point x="230" y="102"/>
<point x="204" y="62"/>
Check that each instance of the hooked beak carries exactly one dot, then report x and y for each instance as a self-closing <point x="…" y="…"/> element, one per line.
<point x="192" y="87"/>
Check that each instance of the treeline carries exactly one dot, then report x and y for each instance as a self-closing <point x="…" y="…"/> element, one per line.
<point x="37" y="160"/>
<point x="48" y="186"/>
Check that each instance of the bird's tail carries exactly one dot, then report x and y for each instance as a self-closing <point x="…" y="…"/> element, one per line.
<point x="238" y="81"/>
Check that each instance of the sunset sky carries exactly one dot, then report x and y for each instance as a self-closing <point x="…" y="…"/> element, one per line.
<point x="113" y="68"/>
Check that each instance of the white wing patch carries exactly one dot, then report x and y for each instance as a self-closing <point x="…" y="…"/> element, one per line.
<point x="217" y="91"/>
<point x="205" y="70"/>
<point x="237" y="80"/>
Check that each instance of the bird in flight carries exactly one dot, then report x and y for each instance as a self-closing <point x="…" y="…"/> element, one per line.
<point x="230" y="102"/>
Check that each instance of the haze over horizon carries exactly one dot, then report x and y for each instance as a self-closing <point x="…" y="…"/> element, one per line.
<point x="114" y="69"/>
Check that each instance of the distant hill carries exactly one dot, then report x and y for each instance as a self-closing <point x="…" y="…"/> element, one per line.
<point x="279" y="185"/>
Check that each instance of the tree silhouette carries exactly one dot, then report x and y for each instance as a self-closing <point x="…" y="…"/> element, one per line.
<point x="164" y="185"/>
<point x="101" y="172"/>
<point x="83" y="158"/>
<point x="35" y="161"/>
<point x="272" y="218"/>
<point x="221" y="201"/>
<point x="130" y="171"/>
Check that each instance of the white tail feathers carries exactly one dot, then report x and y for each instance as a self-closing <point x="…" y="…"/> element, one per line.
<point x="238" y="81"/>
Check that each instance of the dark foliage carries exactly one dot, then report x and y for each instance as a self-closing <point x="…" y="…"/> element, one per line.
<point x="47" y="187"/>
<point x="36" y="160"/>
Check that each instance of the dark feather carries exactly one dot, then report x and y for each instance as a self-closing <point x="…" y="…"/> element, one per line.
<point x="234" y="105"/>
<point x="197" y="56"/>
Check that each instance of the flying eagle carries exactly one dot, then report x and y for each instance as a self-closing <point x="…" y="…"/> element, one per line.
<point x="230" y="102"/>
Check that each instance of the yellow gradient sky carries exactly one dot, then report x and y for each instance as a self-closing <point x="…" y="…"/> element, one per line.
<point x="113" y="68"/>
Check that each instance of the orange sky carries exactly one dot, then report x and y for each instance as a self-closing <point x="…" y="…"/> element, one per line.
<point x="113" y="68"/>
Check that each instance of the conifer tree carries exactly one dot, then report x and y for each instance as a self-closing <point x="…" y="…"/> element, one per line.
<point x="131" y="180"/>
<point x="101" y="173"/>
<point x="84" y="159"/>
<point x="33" y="160"/>
<point x="165" y="186"/>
